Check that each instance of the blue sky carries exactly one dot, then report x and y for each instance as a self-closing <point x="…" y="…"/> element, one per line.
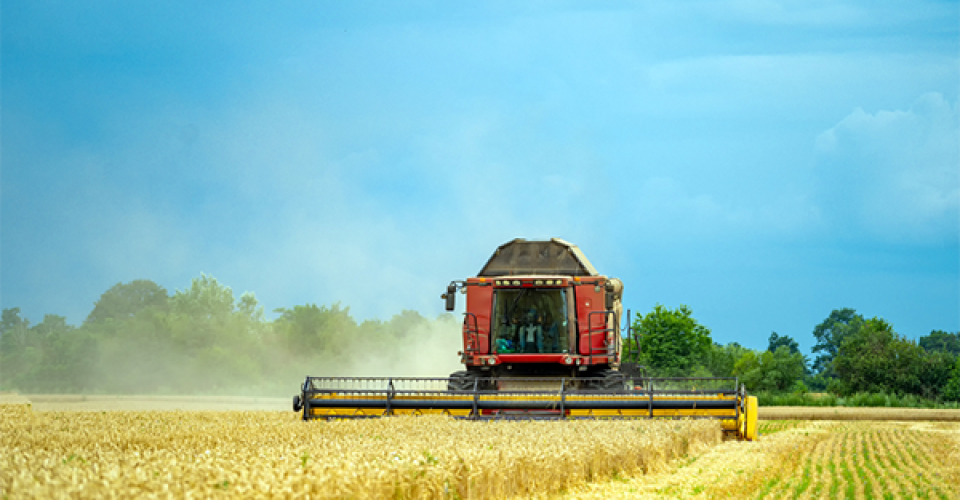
<point x="762" y="162"/>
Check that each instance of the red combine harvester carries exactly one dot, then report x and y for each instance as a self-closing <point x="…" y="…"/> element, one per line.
<point x="542" y="338"/>
<point x="540" y="309"/>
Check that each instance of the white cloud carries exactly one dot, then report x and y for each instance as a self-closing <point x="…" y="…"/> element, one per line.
<point x="895" y="174"/>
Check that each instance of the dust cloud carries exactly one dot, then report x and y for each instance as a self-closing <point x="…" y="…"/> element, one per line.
<point x="429" y="351"/>
<point x="220" y="358"/>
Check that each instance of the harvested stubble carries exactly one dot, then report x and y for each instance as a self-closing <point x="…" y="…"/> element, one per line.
<point x="812" y="460"/>
<point x="772" y="426"/>
<point x="873" y="460"/>
<point x="857" y="413"/>
<point x="177" y="454"/>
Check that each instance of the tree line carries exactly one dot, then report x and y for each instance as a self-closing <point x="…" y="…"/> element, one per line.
<point x="141" y="339"/>
<point x="853" y="355"/>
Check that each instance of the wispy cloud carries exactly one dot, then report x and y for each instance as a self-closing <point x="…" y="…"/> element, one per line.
<point x="895" y="174"/>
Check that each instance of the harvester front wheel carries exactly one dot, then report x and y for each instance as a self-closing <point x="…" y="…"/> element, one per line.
<point x="609" y="381"/>
<point x="461" y="381"/>
<point x="466" y="381"/>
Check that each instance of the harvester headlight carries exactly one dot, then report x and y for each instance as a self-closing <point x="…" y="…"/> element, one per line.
<point x="516" y="282"/>
<point x="538" y="282"/>
<point x="567" y="360"/>
<point x="498" y="282"/>
<point x="491" y="361"/>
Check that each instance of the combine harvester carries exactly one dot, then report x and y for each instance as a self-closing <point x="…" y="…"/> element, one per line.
<point x="542" y="339"/>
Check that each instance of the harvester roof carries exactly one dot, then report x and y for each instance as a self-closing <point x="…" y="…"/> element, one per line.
<point x="550" y="257"/>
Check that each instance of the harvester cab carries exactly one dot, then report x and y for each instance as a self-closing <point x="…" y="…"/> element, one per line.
<point x="542" y="338"/>
<point x="540" y="309"/>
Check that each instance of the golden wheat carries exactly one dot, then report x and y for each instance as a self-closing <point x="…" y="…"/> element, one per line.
<point x="272" y="454"/>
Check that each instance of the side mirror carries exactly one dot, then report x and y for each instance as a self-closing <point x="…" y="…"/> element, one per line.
<point x="450" y="297"/>
<point x="610" y="295"/>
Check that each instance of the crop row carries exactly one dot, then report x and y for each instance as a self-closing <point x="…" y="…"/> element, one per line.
<point x="872" y="461"/>
<point x="808" y="460"/>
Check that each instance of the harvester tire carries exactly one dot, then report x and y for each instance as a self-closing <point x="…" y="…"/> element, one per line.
<point x="465" y="381"/>
<point x="611" y="380"/>
<point x="297" y="404"/>
<point x="459" y="381"/>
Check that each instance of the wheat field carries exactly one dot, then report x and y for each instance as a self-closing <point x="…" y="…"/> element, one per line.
<point x="163" y="454"/>
<point x="123" y="454"/>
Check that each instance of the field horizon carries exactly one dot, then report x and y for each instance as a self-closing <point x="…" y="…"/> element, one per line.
<point x="101" y="402"/>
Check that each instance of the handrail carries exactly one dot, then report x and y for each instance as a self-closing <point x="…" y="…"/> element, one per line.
<point x="472" y="334"/>
<point x="591" y="331"/>
<point x="635" y="335"/>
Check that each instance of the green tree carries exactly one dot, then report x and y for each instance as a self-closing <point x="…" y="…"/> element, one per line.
<point x="205" y="315"/>
<point x="250" y="307"/>
<point x="830" y="334"/>
<point x="721" y="359"/>
<point x="126" y="300"/>
<point x="935" y="372"/>
<point x="951" y="391"/>
<point x="51" y="356"/>
<point x="776" y="340"/>
<point x="20" y="354"/>
<point x="70" y="357"/>
<point x="206" y="298"/>
<point x="939" y="340"/>
<point x="406" y="324"/>
<point x="309" y="330"/>
<point x="770" y="371"/>
<point x="52" y="324"/>
<point x="877" y="359"/>
<point x="199" y="340"/>
<point x="672" y="342"/>
<point x="217" y="338"/>
<point x="13" y="324"/>
<point x="139" y="354"/>
<point x="14" y="330"/>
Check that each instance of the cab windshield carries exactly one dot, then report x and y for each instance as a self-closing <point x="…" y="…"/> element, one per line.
<point x="530" y="320"/>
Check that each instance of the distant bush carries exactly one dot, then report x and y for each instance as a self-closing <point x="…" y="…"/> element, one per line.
<point x="766" y="398"/>
<point x="860" y="400"/>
